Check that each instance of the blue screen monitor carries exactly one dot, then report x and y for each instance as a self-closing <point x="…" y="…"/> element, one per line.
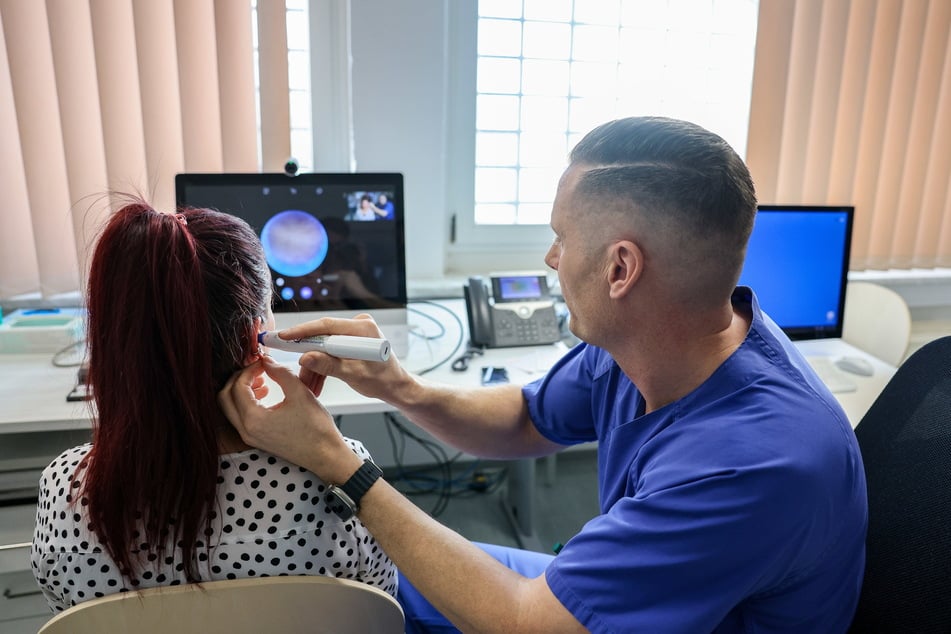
<point x="797" y="263"/>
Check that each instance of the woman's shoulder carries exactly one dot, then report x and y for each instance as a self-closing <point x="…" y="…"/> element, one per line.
<point x="66" y="462"/>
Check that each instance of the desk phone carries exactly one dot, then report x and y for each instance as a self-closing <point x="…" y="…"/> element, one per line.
<point x="518" y="312"/>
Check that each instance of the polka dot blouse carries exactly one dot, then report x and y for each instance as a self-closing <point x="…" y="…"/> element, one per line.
<point x="270" y="519"/>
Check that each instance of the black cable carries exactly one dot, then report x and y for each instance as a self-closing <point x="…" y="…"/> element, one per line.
<point x="461" y="364"/>
<point x="459" y="341"/>
<point x="438" y="455"/>
<point x="443" y="484"/>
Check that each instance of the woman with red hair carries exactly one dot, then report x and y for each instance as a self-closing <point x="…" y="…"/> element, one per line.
<point x="167" y="493"/>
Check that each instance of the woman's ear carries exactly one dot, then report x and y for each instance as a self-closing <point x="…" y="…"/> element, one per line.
<point x="253" y="347"/>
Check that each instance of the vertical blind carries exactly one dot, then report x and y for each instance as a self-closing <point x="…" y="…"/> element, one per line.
<point x="851" y="104"/>
<point x="102" y="96"/>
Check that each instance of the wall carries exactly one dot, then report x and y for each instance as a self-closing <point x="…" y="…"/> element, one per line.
<point x="399" y="114"/>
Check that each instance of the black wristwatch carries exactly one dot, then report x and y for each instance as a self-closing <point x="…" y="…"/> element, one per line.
<point x="344" y="500"/>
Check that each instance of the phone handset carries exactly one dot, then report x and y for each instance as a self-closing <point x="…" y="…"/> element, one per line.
<point x="479" y="312"/>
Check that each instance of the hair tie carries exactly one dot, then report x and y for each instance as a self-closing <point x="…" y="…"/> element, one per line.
<point x="182" y="220"/>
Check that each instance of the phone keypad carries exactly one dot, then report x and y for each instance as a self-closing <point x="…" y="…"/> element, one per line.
<point x="524" y="325"/>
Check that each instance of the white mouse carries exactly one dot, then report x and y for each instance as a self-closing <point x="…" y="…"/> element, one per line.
<point x="855" y="365"/>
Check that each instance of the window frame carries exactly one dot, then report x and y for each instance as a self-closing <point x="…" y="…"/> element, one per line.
<point x="468" y="239"/>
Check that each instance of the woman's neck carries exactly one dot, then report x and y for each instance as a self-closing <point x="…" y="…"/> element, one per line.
<point x="229" y="441"/>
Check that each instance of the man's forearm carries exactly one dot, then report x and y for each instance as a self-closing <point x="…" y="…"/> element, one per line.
<point x="489" y="422"/>
<point x="469" y="587"/>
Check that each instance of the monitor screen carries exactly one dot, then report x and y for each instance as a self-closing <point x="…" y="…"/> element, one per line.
<point x="797" y="263"/>
<point x="333" y="242"/>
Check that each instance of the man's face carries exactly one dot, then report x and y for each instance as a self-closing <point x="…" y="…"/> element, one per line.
<point x="569" y="253"/>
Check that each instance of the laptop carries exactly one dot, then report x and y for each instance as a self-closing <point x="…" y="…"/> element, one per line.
<point x="797" y="263"/>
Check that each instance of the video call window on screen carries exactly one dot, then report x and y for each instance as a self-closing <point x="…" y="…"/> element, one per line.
<point x="332" y="241"/>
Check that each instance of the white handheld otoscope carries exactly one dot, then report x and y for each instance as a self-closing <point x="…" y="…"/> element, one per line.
<point x="343" y="346"/>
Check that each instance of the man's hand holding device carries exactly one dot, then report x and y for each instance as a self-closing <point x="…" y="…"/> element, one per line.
<point x="373" y="378"/>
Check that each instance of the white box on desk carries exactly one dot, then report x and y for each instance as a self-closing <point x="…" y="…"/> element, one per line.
<point x="27" y="331"/>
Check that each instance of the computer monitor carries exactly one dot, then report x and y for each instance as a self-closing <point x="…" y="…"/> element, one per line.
<point x="334" y="242"/>
<point x="797" y="263"/>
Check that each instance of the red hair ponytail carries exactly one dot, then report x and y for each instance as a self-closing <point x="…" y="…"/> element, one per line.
<point x="172" y="301"/>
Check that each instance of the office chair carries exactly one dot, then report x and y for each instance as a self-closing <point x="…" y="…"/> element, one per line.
<point x="279" y="605"/>
<point x="905" y="438"/>
<point x="876" y="320"/>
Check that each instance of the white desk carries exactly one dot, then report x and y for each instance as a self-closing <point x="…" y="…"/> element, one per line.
<point x="33" y="406"/>
<point x="33" y="391"/>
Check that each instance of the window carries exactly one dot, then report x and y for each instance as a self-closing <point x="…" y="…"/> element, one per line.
<point x="548" y="71"/>
<point x="298" y="76"/>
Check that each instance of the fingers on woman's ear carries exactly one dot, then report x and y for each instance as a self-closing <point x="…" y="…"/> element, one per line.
<point x="313" y="380"/>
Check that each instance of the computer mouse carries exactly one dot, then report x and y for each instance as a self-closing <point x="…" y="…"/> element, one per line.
<point x="855" y="365"/>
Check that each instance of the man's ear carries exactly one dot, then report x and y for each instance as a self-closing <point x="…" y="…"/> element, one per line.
<point x="626" y="267"/>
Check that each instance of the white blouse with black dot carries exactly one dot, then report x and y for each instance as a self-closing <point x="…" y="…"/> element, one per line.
<point x="270" y="519"/>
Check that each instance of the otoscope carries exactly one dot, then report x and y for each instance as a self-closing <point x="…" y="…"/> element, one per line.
<point x="343" y="346"/>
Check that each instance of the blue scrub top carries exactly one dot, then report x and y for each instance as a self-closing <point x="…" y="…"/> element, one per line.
<point x="740" y="507"/>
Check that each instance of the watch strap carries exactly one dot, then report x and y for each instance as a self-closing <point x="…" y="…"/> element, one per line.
<point x="356" y="486"/>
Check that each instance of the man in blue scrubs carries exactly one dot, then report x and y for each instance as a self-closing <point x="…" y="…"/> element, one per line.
<point x="731" y="486"/>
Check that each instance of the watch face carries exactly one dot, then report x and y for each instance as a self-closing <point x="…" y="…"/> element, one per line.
<point x="339" y="503"/>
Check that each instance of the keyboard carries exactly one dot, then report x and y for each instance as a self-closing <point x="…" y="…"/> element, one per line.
<point x="834" y="378"/>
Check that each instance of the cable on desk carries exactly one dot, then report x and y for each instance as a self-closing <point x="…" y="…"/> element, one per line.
<point x="439" y="324"/>
<point x="67" y="351"/>
<point x="461" y="364"/>
<point x="459" y="341"/>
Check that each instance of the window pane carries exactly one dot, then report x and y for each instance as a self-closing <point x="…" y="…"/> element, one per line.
<point x="538" y="184"/>
<point x="298" y="70"/>
<point x="495" y="184"/>
<point x="298" y="31"/>
<point x="499" y="74"/>
<point x="735" y="17"/>
<point x="692" y="15"/>
<point x="500" y="9"/>
<point x="544" y="77"/>
<point x="645" y="14"/>
<point x="585" y="114"/>
<point x="602" y="12"/>
<point x="495" y="214"/>
<point x="534" y="213"/>
<point x="302" y="142"/>
<point x="494" y="148"/>
<point x="496" y="112"/>
<point x="543" y="149"/>
<point x="547" y="40"/>
<point x="300" y="109"/>
<point x="500" y="37"/>
<point x="544" y="113"/>
<point x="590" y="79"/>
<point x="637" y="45"/>
<point x="554" y="10"/>
<point x="596" y="43"/>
